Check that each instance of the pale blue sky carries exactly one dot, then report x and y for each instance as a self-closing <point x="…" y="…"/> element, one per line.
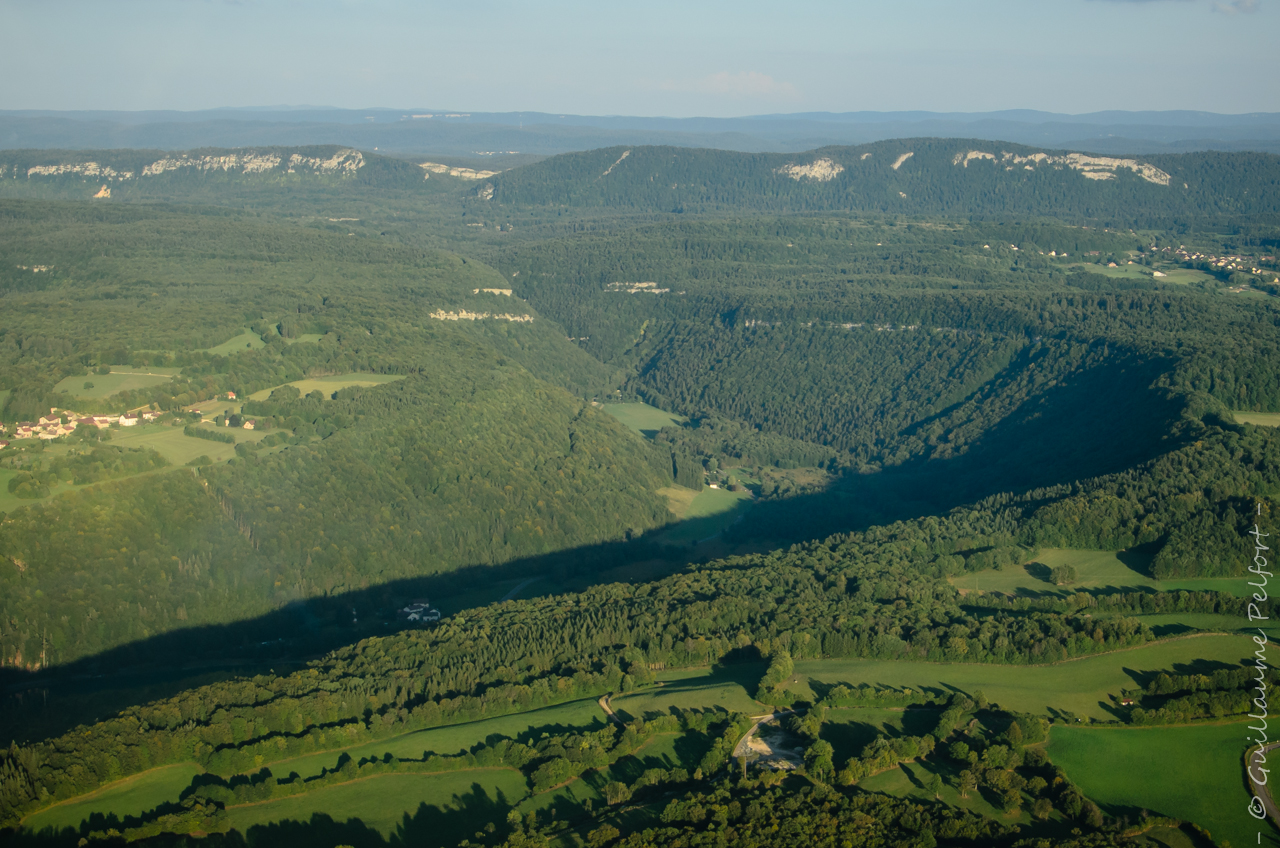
<point x="651" y="58"/>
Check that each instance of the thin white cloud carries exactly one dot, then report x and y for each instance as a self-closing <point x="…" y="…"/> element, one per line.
<point x="742" y="84"/>
<point x="1235" y="7"/>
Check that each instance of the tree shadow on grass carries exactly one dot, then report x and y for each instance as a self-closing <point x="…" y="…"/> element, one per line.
<point x="429" y="826"/>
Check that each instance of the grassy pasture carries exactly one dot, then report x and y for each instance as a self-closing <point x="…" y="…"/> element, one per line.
<point x="453" y="739"/>
<point x="1184" y="276"/>
<point x="119" y="380"/>
<point x="1097" y="570"/>
<point x="727" y="688"/>
<point x="710" y="512"/>
<point x="1262" y="419"/>
<point x="911" y="779"/>
<point x="1191" y="772"/>
<point x="1083" y="686"/>
<point x="169" y="442"/>
<point x="849" y="729"/>
<point x="642" y="418"/>
<point x="419" y="809"/>
<point x="130" y="797"/>
<point x="332" y="384"/>
<point x="9" y="501"/>
<point x="679" y="499"/>
<point x="1177" y="624"/>
<point x="248" y="340"/>
<point x="180" y="449"/>
<point x="668" y="751"/>
<point x="1121" y="272"/>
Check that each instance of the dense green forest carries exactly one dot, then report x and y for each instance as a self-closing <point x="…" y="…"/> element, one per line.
<point x="376" y="385"/>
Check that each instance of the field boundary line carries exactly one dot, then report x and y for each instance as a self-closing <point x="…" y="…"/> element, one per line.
<point x="375" y="777"/>
<point x="124" y="781"/>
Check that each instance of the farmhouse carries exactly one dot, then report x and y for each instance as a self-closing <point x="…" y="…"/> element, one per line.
<point x="129" y="419"/>
<point x="419" y="612"/>
<point x="249" y="425"/>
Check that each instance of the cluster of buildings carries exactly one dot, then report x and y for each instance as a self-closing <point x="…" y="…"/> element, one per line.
<point x="52" y="426"/>
<point x="1226" y="263"/>
<point x="419" y="612"/>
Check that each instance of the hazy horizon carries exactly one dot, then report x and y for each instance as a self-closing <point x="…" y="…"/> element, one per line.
<point x="666" y="59"/>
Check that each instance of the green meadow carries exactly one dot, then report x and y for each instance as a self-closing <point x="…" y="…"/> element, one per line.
<point x="248" y="340"/>
<point x="1084" y="686"/>
<point x="642" y="418"/>
<point x="179" y="449"/>
<point x="710" y="512"/>
<point x="421" y="809"/>
<point x="453" y="739"/>
<point x="1262" y="419"/>
<point x="169" y="442"/>
<point x="120" y="379"/>
<point x="328" y="385"/>
<point x="1184" y="276"/>
<point x="1096" y="570"/>
<point x="910" y="780"/>
<point x="848" y="729"/>
<point x="130" y="797"/>
<point x="1193" y="773"/>
<point x="725" y="687"/>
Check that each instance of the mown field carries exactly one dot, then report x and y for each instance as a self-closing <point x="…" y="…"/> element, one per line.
<point x="709" y="513"/>
<point x="129" y="797"/>
<point x="121" y="379"/>
<point x="1262" y="419"/>
<point x="179" y="449"/>
<point x="1096" y="570"/>
<point x="1190" y="773"/>
<point x="1084" y="686"/>
<point x="328" y="385"/>
<point x="584" y="714"/>
<point x="642" y="418"/>
<point x="725" y="688"/>
<point x="248" y="340"/>
<point x="412" y="809"/>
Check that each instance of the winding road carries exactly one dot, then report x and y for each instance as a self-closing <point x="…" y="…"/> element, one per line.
<point x="1261" y="793"/>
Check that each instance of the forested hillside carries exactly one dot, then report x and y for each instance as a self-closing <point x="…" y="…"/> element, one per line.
<point x="655" y="440"/>
<point x="470" y="460"/>
<point x="906" y="176"/>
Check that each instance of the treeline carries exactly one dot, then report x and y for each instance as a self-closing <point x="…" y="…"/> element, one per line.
<point x="1179" y="698"/>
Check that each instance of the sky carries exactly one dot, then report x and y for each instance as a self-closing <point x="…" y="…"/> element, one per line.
<point x="659" y="58"/>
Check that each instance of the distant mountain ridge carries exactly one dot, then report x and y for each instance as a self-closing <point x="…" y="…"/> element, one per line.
<point x="461" y="133"/>
<point x="922" y="176"/>
<point x="906" y="176"/>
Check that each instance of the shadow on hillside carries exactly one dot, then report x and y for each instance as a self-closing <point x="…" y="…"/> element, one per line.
<point x="1095" y="422"/>
<point x="427" y="827"/>
<point x="1056" y="439"/>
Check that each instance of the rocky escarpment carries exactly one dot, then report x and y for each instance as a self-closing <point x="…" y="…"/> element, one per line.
<point x="341" y="162"/>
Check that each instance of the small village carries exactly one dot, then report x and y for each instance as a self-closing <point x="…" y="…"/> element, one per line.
<point x="60" y="423"/>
